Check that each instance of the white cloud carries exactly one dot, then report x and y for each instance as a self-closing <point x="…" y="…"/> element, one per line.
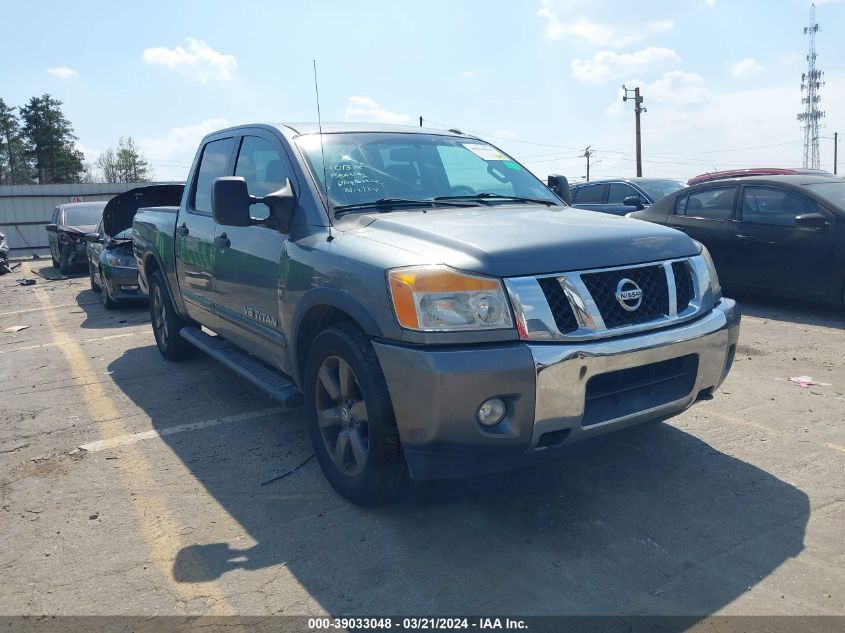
<point x="560" y="25"/>
<point x="710" y="4"/>
<point x="745" y="68"/>
<point x="199" y="61"/>
<point x="63" y="72"/>
<point x="607" y="65"/>
<point x="676" y="87"/>
<point x="91" y="154"/>
<point x="179" y="143"/>
<point x="367" y="110"/>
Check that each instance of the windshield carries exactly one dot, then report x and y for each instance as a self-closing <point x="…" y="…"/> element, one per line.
<point x="363" y="168"/>
<point x="659" y="189"/>
<point x="833" y="192"/>
<point x="81" y="216"/>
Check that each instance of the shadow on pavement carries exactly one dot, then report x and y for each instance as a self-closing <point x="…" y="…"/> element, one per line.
<point x="654" y="522"/>
<point x="792" y="311"/>
<point x="135" y="312"/>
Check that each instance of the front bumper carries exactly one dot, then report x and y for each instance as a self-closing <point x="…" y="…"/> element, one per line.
<point x="123" y="282"/>
<point x="553" y="403"/>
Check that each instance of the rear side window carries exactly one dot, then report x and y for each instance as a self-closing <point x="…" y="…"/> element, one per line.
<point x="768" y="205"/>
<point x="215" y="157"/>
<point x="589" y="194"/>
<point x="710" y="204"/>
<point x="619" y="191"/>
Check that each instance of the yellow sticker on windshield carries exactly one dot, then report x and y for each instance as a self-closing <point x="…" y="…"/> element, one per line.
<point x="485" y="152"/>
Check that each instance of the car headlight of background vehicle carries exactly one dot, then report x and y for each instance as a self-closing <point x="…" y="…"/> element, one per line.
<point x="438" y="298"/>
<point x="715" y="286"/>
<point x="119" y="259"/>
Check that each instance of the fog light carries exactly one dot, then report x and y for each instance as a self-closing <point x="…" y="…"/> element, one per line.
<point x="492" y="411"/>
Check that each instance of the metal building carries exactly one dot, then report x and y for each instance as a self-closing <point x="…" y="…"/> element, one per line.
<point x="26" y="209"/>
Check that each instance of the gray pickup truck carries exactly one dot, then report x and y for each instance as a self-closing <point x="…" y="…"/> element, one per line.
<point x="437" y="309"/>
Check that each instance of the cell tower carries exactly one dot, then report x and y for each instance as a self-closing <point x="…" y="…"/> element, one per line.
<point x="811" y="81"/>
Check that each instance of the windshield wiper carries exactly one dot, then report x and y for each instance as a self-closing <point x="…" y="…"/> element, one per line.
<point x="485" y="195"/>
<point x="387" y="203"/>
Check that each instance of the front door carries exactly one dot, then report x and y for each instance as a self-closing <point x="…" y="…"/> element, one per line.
<point x="777" y="255"/>
<point x="195" y="233"/>
<point x="248" y="268"/>
<point x="707" y="215"/>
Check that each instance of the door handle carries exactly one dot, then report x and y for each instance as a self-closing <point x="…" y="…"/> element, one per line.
<point x="222" y="241"/>
<point x="182" y="230"/>
<point x="745" y="238"/>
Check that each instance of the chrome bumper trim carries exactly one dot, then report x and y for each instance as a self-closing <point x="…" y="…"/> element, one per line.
<point x="563" y="370"/>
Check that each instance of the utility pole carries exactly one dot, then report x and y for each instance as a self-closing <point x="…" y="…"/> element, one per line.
<point x="420" y="121"/>
<point x="835" y="152"/>
<point x="638" y="109"/>
<point x="587" y="153"/>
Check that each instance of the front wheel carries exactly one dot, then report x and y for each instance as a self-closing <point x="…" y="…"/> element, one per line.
<point x="64" y="264"/>
<point x="105" y="295"/>
<point x="94" y="285"/>
<point x="166" y="322"/>
<point x="350" y="418"/>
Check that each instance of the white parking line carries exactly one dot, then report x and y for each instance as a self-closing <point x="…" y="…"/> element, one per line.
<point x="123" y="440"/>
<point x="50" y="307"/>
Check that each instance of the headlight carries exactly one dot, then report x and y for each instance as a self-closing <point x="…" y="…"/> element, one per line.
<point x="715" y="286"/>
<point x="437" y="298"/>
<point x="119" y="260"/>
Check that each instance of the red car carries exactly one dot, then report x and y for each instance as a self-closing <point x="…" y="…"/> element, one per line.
<point x="756" y="171"/>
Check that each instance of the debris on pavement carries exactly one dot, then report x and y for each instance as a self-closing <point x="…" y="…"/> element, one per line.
<point x="807" y="381"/>
<point x="14" y="329"/>
<point x="26" y="282"/>
<point x="281" y="475"/>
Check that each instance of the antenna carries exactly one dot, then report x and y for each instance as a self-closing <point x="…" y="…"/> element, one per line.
<point x="320" y="128"/>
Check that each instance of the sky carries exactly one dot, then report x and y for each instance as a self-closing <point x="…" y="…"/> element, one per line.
<point x="539" y="78"/>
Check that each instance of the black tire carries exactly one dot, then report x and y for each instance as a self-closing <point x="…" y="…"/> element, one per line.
<point x="383" y="475"/>
<point x="54" y="260"/>
<point x="94" y="285"/>
<point x="105" y="295"/>
<point x="167" y="323"/>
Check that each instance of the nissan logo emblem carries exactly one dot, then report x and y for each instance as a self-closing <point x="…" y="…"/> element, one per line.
<point x="628" y="294"/>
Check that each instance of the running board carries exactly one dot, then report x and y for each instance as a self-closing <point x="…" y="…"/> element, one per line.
<point x="271" y="382"/>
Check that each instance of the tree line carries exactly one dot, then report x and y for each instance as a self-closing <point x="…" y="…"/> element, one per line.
<point x="38" y="146"/>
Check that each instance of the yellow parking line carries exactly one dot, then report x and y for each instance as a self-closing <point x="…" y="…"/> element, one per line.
<point x="159" y="527"/>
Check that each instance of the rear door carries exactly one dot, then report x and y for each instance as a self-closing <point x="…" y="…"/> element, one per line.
<point x="195" y="232"/>
<point x="591" y="197"/>
<point x="708" y="215"/>
<point x="777" y="255"/>
<point x="249" y="260"/>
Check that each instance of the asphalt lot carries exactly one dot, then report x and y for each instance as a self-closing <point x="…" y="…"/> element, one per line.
<point x="735" y="507"/>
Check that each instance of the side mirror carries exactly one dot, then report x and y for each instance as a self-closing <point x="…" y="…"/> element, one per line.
<point x="230" y="202"/>
<point x="812" y="221"/>
<point x="51" y="228"/>
<point x="633" y="201"/>
<point x="560" y="185"/>
<point x="92" y="238"/>
<point x="282" y="204"/>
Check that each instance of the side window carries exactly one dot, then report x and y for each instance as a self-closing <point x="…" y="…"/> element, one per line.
<point x="619" y="191"/>
<point x="767" y="205"/>
<point x="56" y="216"/>
<point x="215" y="156"/>
<point x="261" y="165"/>
<point x="589" y="194"/>
<point x="710" y="204"/>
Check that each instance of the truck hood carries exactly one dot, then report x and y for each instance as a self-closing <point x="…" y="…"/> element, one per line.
<point x="76" y="230"/>
<point x="118" y="214"/>
<point x="514" y="240"/>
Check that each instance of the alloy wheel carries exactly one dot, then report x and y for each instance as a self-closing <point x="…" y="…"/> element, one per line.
<point x="342" y="416"/>
<point x="159" y="316"/>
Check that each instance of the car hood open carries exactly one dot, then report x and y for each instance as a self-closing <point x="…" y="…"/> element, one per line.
<point x="118" y="214"/>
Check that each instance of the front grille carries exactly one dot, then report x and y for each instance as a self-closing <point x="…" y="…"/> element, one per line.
<point x="683" y="285"/>
<point x="650" y="279"/>
<point x="627" y="391"/>
<point x="559" y="304"/>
